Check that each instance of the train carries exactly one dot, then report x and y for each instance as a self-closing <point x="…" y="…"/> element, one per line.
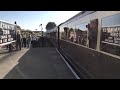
<point x="90" y="41"/>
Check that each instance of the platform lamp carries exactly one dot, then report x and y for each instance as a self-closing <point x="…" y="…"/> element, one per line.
<point x="15" y="27"/>
<point x="41" y="26"/>
<point x="41" y="29"/>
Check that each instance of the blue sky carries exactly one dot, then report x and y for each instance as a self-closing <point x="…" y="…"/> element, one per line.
<point x="32" y="19"/>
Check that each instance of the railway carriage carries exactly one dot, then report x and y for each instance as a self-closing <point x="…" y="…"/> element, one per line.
<point x="90" y="41"/>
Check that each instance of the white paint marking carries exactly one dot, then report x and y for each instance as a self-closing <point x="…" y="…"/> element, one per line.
<point x="69" y="66"/>
<point x="25" y="77"/>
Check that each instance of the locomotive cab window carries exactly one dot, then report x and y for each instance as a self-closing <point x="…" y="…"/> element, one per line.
<point x="110" y="34"/>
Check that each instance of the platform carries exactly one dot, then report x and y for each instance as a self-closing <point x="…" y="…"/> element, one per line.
<point x="35" y="63"/>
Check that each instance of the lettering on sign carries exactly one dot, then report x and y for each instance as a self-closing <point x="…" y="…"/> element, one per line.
<point x="6" y="32"/>
<point x="111" y="35"/>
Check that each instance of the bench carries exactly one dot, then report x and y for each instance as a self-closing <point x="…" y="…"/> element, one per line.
<point x="10" y="46"/>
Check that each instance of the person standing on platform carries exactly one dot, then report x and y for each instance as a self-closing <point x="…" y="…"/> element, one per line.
<point x="18" y="41"/>
<point x="29" y="41"/>
<point x="24" y="41"/>
<point x="33" y="40"/>
<point x="22" y="45"/>
<point x="42" y="41"/>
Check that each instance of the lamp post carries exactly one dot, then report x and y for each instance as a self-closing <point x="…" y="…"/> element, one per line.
<point x="15" y="23"/>
<point x="15" y="27"/>
<point x="41" y="28"/>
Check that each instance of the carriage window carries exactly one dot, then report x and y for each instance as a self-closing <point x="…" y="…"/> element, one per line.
<point x="110" y="34"/>
<point x="62" y="33"/>
<point x="71" y="34"/>
<point x="65" y="32"/>
<point x="68" y="33"/>
<point x="81" y="34"/>
<point x="111" y="21"/>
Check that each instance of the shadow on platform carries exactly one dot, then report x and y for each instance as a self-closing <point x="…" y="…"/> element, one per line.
<point x="40" y="63"/>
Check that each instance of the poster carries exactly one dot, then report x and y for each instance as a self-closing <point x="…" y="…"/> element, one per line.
<point x="111" y="35"/>
<point x="6" y="32"/>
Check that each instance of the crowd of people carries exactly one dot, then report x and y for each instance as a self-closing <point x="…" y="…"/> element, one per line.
<point x="29" y="41"/>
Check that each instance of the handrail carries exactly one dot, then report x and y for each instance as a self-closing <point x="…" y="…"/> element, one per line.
<point x="7" y="43"/>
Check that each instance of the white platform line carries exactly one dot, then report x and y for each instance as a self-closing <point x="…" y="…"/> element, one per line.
<point x="21" y="73"/>
<point x="69" y="66"/>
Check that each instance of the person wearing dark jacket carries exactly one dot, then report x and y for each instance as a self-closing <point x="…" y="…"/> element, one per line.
<point x="24" y="41"/>
<point x="18" y="41"/>
<point x="33" y="40"/>
<point x="42" y="41"/>
<point x="92" y="36"/>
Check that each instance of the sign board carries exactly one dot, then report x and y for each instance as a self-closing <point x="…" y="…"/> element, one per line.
<point x="111" y="35"/>
<point x="6" y="32"/>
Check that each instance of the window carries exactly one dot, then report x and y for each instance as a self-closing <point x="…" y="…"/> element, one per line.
<point x="61" y="32"/>
<point x="66" y="29"/>
<point x="110" y="21"/>
<point x="110" y="34"/>
<point x="71" y="34"/>
<point x="75" y="33"/>
<point x="81" y="34"/>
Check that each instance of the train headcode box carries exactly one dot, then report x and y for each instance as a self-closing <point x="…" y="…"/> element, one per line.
<point x="7" y="32"/>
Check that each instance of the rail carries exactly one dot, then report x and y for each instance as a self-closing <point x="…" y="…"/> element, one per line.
<point x="8" y="43"/>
